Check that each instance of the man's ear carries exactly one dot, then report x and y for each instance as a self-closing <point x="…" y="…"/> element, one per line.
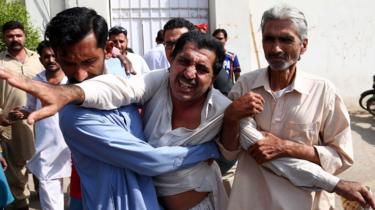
<point x="108" y="49"/>
<point x="304" y="45"/>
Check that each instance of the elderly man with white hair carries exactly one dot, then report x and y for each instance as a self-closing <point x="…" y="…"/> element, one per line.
<point x="303" y="119"/>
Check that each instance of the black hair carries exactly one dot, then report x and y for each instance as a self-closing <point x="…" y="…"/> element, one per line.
<point x="178" y="23"/>
<point x="128" y="49"/>
<point x="220" y="30"/>
<point x="115" y="30"/>
<point x="10" y="25"/>
<point x="202" y="41"/>
<point x="42" y="45"/>
<point x="159" y="36"/>
<point x="72" y="25"/>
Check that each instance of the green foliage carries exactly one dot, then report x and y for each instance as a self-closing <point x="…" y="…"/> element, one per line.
<point x="17" y="11"/>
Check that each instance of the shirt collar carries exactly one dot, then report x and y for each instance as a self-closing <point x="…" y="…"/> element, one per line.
<point x="262" y="80"/>
<point x="299" y="84"/>
<point x="64" y="81"/>
<point x="208" y="105"/>
<point x="43" y="76"/>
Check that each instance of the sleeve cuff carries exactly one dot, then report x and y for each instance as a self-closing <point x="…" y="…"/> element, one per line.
<point x="229" y="155"/>
<point x="88" y="96"/>
<point x="329" y="158"/>
<point x="249" y="134"/>
<point x="327" y="181"/>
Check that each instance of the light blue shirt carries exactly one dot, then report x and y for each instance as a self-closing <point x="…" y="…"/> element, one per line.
<point x="6" y="196"/>
<point x="114" y="66"/>
<point x="114" y="162"/>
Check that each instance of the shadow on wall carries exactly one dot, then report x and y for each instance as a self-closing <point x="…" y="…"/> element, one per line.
<point x="364" y="124"/>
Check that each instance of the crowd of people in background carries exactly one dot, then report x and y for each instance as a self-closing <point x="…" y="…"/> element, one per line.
<point x="176" y="128"/>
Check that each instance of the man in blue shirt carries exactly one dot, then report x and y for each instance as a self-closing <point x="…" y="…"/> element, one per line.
<point x="114" y="162"/>
<point x="231" y="64"/>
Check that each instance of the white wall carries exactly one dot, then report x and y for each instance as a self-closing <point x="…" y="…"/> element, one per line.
<point x="41" y="11"/>
<point x="100" y="6"/>
<point x="234" y="17"/>
<point x="341" y="42"/>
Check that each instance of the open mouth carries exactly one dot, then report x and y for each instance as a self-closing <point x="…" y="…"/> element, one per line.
<point x="185" y="85"/>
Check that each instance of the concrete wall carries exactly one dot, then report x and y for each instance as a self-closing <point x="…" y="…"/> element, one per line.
<point x="41" y="11"/>
<point x="341" y="42"/>
<point x="100" y="6"/>
<point x="234" y="17"/>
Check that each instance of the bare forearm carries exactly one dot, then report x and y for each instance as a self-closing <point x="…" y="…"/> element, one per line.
<point x="230" y="133"/>
<point x="302" y="151"/>
<point x="74" y="94"/>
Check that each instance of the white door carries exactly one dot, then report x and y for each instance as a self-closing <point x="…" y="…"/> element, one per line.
<point x="144" y="18"/>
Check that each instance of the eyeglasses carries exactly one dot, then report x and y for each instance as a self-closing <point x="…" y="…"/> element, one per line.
<point x="170" y="44"/>
<point x="117" y="30"/>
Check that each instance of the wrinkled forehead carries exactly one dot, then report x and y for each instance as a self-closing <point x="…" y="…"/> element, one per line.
<point x="280" y="26"/>
<point x="85" y="48"/>
<point x="193" y="53"/>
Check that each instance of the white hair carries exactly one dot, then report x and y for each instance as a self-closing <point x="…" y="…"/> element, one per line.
<point x="289" y="13"/>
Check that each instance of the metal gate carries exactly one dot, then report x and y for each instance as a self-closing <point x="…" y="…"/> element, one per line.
<point x="144" y="18"/>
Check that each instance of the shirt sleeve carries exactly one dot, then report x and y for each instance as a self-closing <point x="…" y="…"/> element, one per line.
<point x="227" y="154"/>
<point x="94" y="135"/>
<point x="145" y="67"/>
<point x="301" y="173"/>
<point x="336" y="150"/>
<point x="110" y="92"/>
